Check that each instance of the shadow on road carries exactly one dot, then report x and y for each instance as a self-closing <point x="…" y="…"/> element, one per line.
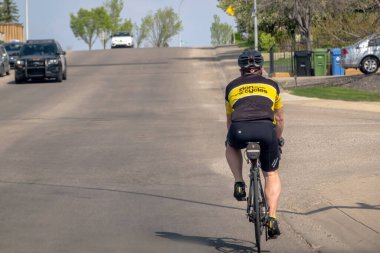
<point x="341" y="209"/>
<point x="326" y="208"/>
<point x="323" y="209"/>
<point x="220" y="244"/>
<point x="126" y="192"/>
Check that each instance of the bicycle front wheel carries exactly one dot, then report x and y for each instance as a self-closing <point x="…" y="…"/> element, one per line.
<point x="257" y="211"/>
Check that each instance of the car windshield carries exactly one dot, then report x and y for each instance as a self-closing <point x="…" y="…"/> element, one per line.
<point x="38" y="49"/>
<point x="13" y="46"/>
<point x="121" y="34"/>
<point x="364" y="39"/>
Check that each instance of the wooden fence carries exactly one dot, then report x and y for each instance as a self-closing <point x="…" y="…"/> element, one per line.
<point x="11" y="31"/>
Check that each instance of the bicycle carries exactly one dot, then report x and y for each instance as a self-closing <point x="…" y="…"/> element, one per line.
<point x="257" y="207"/>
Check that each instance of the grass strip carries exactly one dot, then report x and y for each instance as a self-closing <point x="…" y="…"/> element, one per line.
<point x="336" y="93"/>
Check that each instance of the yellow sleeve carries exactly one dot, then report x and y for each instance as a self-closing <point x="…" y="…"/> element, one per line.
<point x="278" y="104"/>
<point x="228" y="108"/>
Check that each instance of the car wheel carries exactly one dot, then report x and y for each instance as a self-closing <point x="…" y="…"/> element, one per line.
<point x="64" y="77"/>
<point x="2" y="71"/>
<point x="18" y="80"/>
<point x="60" y="76"/>
<point x="369" y="65"/>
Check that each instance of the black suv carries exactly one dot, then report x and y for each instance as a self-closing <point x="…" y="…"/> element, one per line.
<point x="13" y="49"/>
<point x="41" y="59"/>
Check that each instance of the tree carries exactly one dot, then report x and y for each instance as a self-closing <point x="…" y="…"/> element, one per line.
<point x="334" y="19"/>
<point x="243" y="11"/>
<point x="127" y="25"/>
<point x="272" y="18"/>
<point x="274" y="21"/>
<point x="9" y="12"/>
<point x="221" y="33"/>
<point x="114" y="8"/>
<point x="294" y="15"/>
<point x="146" y="24"/>
<point x="345" y="21"/>
<point x="85" y="26"/>
<point x="160" y="27"/>
<point x="266" y="41"/>
<point x="103" y="24"/>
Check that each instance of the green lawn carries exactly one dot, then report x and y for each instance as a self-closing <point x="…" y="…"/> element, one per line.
<point x="279" y="62"/>
<point x="335" y="93"/>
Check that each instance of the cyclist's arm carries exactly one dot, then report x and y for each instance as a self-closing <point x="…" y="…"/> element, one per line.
<point x="228" y="113"/>
<point x="279" y="116"/>
<point x="228" y="121"/>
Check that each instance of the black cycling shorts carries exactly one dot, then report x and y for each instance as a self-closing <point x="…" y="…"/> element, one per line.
<point x="242" y="132"/>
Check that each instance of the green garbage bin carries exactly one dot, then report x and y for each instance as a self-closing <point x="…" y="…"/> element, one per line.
<point x="320" y="62"/>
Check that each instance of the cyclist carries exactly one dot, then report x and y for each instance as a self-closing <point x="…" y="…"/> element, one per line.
<point x="255" y="113"/>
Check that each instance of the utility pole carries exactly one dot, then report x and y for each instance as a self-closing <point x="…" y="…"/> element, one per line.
<point x="179" y="15"/>
<point x="254" y="15"/>
<point x="254" y="21"/>
<point x="26" y="20"/>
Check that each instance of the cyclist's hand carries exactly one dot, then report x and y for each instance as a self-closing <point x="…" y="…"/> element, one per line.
<point x="281" y="142"/>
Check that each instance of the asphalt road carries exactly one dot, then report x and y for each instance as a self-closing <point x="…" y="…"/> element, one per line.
<point x="127" y="155"/>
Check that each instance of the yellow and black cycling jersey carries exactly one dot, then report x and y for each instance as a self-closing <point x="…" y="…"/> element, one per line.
<point x="252" y="97"/>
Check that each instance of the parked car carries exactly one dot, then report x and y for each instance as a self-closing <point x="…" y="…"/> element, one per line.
<point x="4" y="61"/>
<point x="13" y="49"/>
<point x="41" y="59"/>
<point x="364" y="54"/>
<point x="121" y="39"/>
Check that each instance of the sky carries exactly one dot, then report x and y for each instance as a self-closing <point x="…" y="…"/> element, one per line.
<point x="51" y="19"/>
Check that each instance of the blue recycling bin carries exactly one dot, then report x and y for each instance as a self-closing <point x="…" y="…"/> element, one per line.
<point x="336" y="62"/>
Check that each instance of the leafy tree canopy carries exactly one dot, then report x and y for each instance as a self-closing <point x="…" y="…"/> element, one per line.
<point x="158" y="28"/>
<point x="85" y="25"/>
<point x="9" y="12"/>
<point x="221" y="33"/>
<point x="334" y="20"/>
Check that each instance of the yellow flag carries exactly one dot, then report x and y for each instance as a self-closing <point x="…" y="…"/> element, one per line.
<point x="230" y="10"/>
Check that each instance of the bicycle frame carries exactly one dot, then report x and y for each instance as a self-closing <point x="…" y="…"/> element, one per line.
<point x="257" y="207"/>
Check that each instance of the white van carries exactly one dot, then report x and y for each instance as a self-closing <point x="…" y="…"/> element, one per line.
<point x="121" y="39"/>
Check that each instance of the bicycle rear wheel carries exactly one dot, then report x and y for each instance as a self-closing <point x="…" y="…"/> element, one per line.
<point x="257" y="210"/>
<point x="264" y="211"/>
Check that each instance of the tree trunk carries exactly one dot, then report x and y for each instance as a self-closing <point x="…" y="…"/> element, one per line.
<point x="302" y="14"/>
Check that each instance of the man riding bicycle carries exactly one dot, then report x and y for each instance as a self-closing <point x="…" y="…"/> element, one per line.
<point x="255" y="113"/>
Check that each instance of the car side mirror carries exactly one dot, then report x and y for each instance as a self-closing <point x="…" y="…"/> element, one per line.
<point x="64" y="52"/>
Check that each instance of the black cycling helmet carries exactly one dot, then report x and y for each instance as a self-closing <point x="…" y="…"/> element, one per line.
<point x="250" y="58"/>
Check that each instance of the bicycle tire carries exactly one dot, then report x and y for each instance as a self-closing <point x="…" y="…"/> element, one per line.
<point x="257" y="210"/>
<point x="263" y="212"/>
<point x="250" y="200"/>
